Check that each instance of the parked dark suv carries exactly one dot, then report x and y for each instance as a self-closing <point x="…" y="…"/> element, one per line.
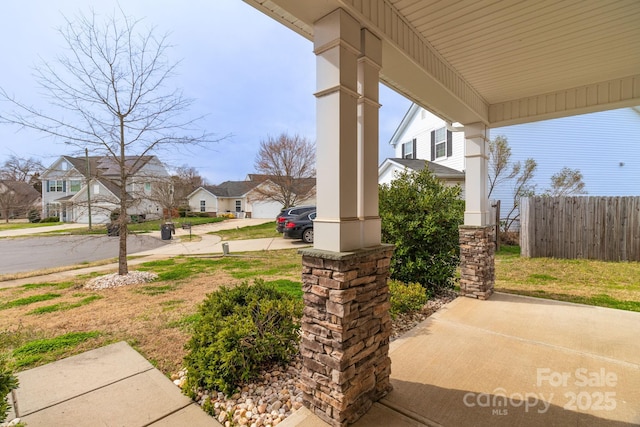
<point x="289" y="213"/>
<point x="300" y="227"/>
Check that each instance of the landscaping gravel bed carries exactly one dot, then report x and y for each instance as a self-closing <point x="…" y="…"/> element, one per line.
<point x="274" y="396"/>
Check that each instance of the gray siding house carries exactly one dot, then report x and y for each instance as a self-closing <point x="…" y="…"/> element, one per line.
<point x="70" y="181"/>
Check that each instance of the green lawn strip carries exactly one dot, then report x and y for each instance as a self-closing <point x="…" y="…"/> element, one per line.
<point x="260" y="231"/>
<point x="140" y="227"/>
<point x="63" y="306"/>
<point x="47" y="349"/>
<point x="290" y="287"/>
<point x="28" y="300"/>
<point x="56" y="285"/>
<point x="148" y="226"/>
<point x="171" y="304"/>
<point x="583" y="281"/>
<point x="23" y="225"/>
<point x="178" y="268"/>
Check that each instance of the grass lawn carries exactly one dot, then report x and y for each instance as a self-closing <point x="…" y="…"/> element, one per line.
<point x="268" y="229"/>
<point x="49" y="321"/>
<point x="21" y="225"/>
<point x="606" y="284"/>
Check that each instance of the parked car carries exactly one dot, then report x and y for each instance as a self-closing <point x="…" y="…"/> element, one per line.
<point x="289" y="213"/>
<point x="300" y="227"/>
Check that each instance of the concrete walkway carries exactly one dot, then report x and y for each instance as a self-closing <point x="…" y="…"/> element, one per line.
<point x="109" y="386"/>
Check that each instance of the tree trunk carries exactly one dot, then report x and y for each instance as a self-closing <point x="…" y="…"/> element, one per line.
<point x="123" y="268"/>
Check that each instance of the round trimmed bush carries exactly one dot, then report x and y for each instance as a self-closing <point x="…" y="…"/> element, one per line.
<point x="240" y="331"/>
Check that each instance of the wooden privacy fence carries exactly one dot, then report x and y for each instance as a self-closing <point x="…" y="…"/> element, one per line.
<point x="604" y="228"/>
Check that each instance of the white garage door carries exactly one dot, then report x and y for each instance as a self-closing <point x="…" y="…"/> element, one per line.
<point x="266" y="209"/>
<point x="99" y="215"/>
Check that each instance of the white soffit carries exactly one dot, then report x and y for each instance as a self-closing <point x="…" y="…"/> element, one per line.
<point x="497" y="61"/>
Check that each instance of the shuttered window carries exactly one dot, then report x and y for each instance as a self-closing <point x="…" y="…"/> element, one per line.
<point x="409" y="149"/>
<point x="441" y="143"/>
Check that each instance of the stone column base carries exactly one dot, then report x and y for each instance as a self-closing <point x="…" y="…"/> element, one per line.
<point x="477" y="261"/>
<point x="345" y="332"/>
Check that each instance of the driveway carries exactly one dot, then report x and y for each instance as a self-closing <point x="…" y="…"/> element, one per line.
<point x="35" y="253"/>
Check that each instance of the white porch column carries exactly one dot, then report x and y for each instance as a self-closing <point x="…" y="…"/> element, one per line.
<point x="369" y="65"/>
<point x="477" y="237"/>
<point x="337" y="47"/>
<point x="476" y="210"/>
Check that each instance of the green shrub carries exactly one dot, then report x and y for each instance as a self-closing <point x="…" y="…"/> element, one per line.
<point x="420" y="216"/>
<point x="406" y="297"/>
<point x="8" y="382"/>
<point x="240" y="331"/>
<point x="50" y="219"/>
<point x="33" y="215"/>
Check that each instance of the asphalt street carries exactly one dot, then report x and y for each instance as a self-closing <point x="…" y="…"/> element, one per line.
<point x="34" y="253"/>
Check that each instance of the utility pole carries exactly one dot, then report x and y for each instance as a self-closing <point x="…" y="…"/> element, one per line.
<point x="86" y="155"/>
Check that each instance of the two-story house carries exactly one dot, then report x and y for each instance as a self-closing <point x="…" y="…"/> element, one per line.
<point x="553" y="144"/>
<point x="423" y="136"/>
<point x="73" y="186"/>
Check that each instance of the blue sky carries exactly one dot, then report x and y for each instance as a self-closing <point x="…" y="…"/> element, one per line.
<point x="249" y="75"/>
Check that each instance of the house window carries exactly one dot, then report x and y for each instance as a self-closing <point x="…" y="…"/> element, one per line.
<point x="238" y="205"/>
<point x="203" y="205"/>
<point x="56" y="186"/>
<point x="409" y="149"/>
<point x="75" y="185"/>
<point x="147" y="186"/>
<point x="96" y="189"/>
<point x="441" y="142"/>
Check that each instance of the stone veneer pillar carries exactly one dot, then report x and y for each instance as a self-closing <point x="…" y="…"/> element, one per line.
<point x="345" y="332"/>
<point x="477" y="257"/>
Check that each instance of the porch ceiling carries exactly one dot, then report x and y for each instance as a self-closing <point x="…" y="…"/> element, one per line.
<point x="497" y="61"/>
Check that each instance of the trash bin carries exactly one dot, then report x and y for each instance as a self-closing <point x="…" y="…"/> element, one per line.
<point x="113" y="230"/>
<point x="166" y="230"/>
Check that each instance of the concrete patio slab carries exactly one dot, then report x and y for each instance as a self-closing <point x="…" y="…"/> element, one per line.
<point x="512" y="361"/>
<point x="109" y="386"/>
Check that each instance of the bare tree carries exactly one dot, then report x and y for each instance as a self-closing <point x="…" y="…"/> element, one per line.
<point x="114" y="96"/>
<point x="20" y="169"/>
<point x="185" y="180"/>
<point x="522" y="187"/>
<point x="500" y="167"/>
<point x="566" y="182"/>
<point x="288" y="163"/>
<point x="502" y="170"/>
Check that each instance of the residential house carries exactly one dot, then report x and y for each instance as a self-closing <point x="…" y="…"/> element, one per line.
<point x="17" y="198"/>
<point x="422" y="136"/>
<point x="553" y="144"/>
<point x="243" y="198"/>
<point x="72" y="185"/>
